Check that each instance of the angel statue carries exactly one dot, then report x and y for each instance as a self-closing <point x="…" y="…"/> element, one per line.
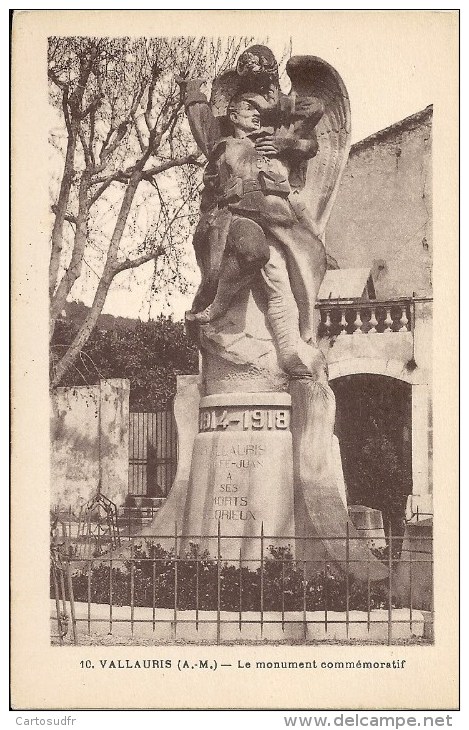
<point x="274" y="163"/>
<point x="258" y="142"/>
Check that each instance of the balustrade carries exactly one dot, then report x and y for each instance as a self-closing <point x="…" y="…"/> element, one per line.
<point x="356" y="317"/>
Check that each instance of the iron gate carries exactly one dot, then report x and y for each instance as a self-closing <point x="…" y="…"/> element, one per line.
<point x="152" y="453"/>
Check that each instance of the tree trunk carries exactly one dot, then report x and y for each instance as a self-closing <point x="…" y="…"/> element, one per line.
<point x="61" y="207"/>
<point x="73" y="271"/>
<point x="110" y="270"/>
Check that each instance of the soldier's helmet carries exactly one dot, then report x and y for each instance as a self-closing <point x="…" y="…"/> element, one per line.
<point x="257" y="60"/>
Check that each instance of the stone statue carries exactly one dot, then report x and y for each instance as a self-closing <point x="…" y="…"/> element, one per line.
<point x="258" y="143"/>
<point x="274" y="163"/>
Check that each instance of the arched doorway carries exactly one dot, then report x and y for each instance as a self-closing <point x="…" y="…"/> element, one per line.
<point x="374" y="428"/>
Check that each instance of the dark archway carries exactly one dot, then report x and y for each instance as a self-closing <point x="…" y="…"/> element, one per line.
<point x="374" y="428"/>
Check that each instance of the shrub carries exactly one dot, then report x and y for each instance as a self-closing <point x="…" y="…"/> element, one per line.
<point x="284" y="585"/>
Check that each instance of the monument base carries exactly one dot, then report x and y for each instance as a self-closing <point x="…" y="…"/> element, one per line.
<point x="251" y="483"/>
<point x="240" y="495"/>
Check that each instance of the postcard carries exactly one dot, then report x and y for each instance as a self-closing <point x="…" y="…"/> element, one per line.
<point x="234" y="391"/>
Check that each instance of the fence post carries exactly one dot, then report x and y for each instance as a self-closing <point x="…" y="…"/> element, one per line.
<point x="153" y="574"/>
<point x="262" y="578"/>
<point x="72" y="602"/>
<point x="110" y="593"/>
<point x="305" y="625"/>
<point x="240" y="589"/>
<point x="432" y="592"/>
<point x="368" y="595"/>
<point x="283" y="592"/>
<point x="197" y="587"/>
<point x="347" y="578"/>
<point x="90" y="567"/>
<point x="390" y="586"/>
<point x="175" y="611"/>
<point x="132" y="586"/>
<point x="326" y="593"/>
<point x="410" y="589"/>
<point x="218" y="581"/>
<point x="57" y="602"/>
<point x="98" y="538"/>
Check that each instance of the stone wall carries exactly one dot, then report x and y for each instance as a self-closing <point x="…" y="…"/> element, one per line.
<point x="382" y="220"/>
<point x="89" y="443"/>
<point x="382" y="215"/>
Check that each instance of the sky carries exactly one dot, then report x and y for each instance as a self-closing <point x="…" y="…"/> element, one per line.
<point x="385" y="82"/>
<point x="388" y="76"/>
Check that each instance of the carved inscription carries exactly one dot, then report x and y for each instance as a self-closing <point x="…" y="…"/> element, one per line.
<point x="228" y="501"/>
<point x="236" y="460"/>
<point x="248" y="419"/>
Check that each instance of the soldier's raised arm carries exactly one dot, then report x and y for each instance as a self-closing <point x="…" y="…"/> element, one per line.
<point x="204" y="126"/>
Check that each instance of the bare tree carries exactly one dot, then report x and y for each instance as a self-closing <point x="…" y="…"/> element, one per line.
<point x="127" y="193"/>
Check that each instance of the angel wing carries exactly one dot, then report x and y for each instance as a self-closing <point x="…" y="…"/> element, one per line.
<point x="224" y="87"/>
<point x="312" y="77"/>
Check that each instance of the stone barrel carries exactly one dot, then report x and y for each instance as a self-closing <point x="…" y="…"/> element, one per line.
<point x="369" y="523"/>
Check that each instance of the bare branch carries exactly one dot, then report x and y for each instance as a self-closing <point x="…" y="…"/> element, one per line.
<point x="108" y="148"/>
<point x="85" y="354"/>
<point x="66" y="112"/>
<point x="122" y="176"/>
<point x="106" y="141"/>
<point x="55" y="79"/>
<point x="153" y="254"/>
<point x="140" y="260"/>
<point x="91" y="268"/>
<point x="91" y="138"/>
<point x="86" y="148"/>
<point x="138" y="133"/>
<point x="190" y="159"/>
<point x="86" y="64"/>
<point x="92" y="106"/>
<point x="68" y="216"/>
<point x="155" y="73"/>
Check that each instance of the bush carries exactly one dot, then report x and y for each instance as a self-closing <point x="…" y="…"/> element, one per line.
<point x="283" y="587"/>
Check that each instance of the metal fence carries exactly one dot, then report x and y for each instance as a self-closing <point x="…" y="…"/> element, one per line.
<point x="147" y="589"/>
<point x="152" y="453"/>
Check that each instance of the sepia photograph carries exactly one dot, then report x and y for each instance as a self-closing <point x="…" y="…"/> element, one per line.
<point x="238" y="372"/>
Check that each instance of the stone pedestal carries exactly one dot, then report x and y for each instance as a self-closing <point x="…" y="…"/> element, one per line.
<point x="264" y="471"/>
<point x="241" y="480"/>
<point x="413" y="577"/>
<point x="369" y="523"/>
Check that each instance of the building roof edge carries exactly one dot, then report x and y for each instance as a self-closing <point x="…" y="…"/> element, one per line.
<point x="403" y="125"/>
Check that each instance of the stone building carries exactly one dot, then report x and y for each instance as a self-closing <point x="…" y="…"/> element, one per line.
<point x="376" y="317"/>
